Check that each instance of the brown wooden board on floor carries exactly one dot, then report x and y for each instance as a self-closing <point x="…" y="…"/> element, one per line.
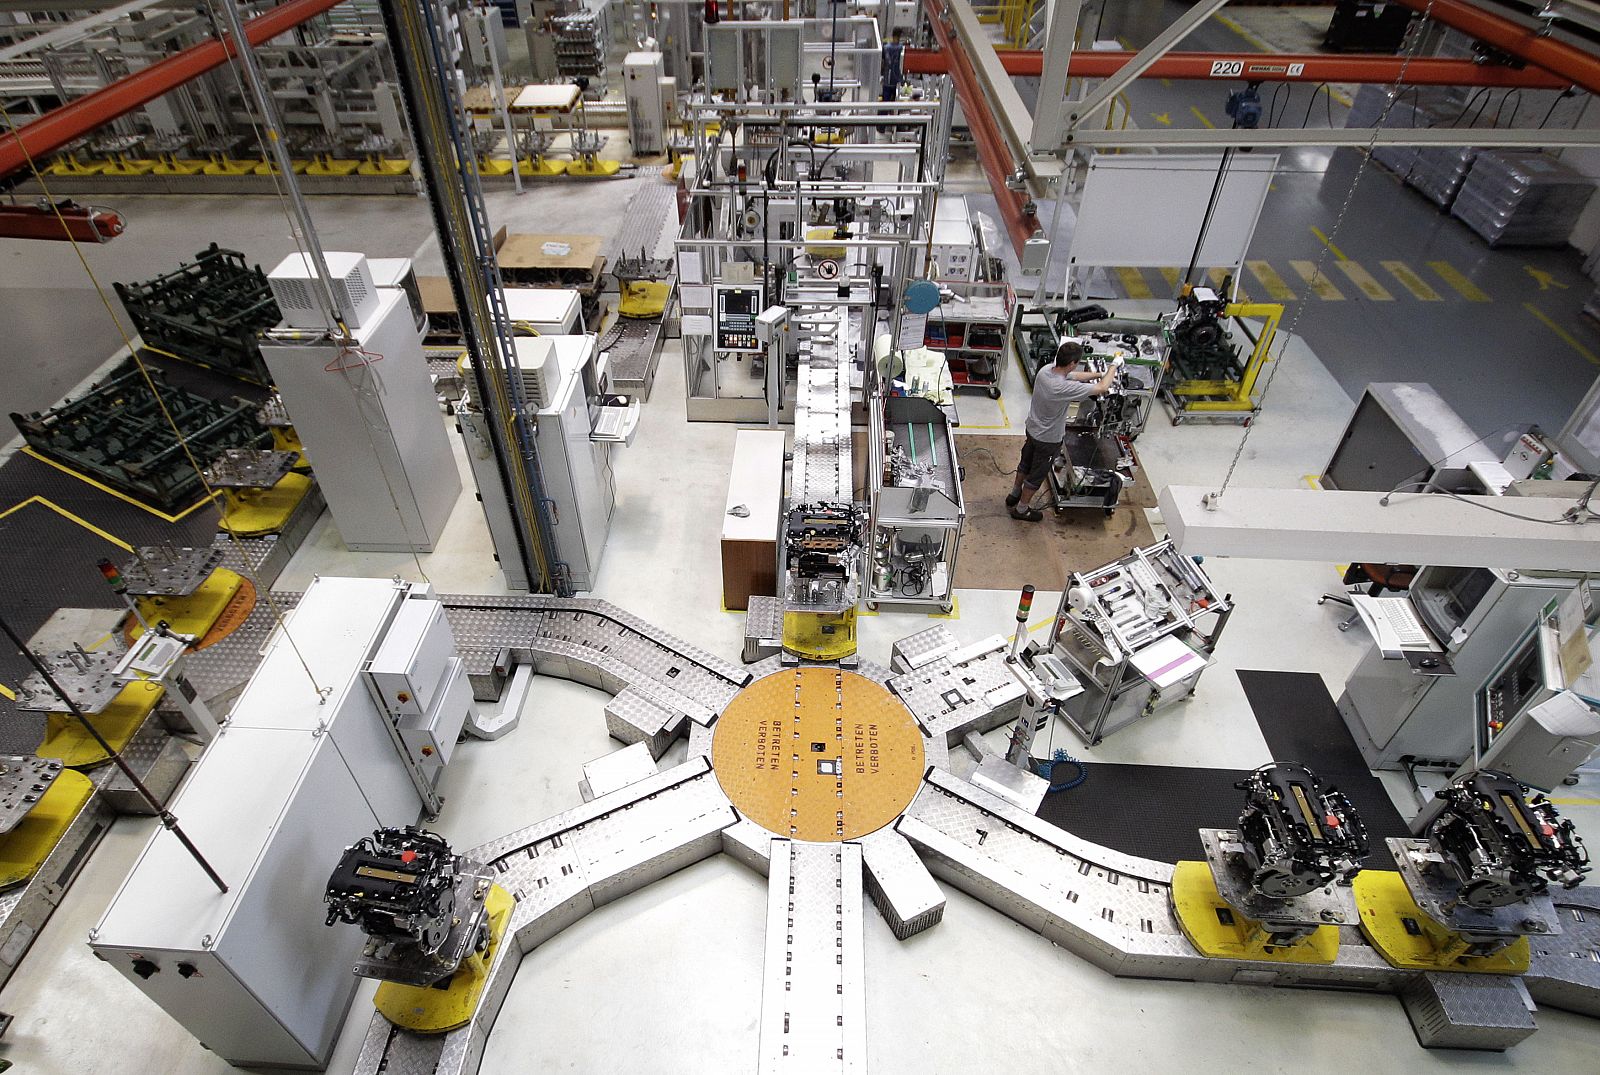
<point x="1002" y="553"/>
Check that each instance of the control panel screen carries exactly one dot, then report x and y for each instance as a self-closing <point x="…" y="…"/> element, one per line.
<point x="737" y="307"/>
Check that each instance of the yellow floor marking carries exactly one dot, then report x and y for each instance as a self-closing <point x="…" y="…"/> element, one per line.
<point x="1201" y="116"/>
<point x="1327" y="242"/>
<point x="1566" y="337"/>
<point x="1172" y="277"/>
<point x="1166" y="82"/>
<point x="1342" y="98"/>
<point x="1411" y="281"/>
<point x="65" y="514"/>
<point x="953" y="614"/>
<point x="10" y="694"/>
<point x="1163" y="118"/>
<point x="1317" y="281"/>
<point x="163" y="516"/>
<point x="1133" y="282"/>
<point x="1575" y="802"/>
<point x="1454" y="277"/>
<point x="1545" y="280"/>
<point x="1313" y="481"/>
<point x="1365" y="281"/>
<point x="1246" y="34"/>
<point x="1277" y="290"/>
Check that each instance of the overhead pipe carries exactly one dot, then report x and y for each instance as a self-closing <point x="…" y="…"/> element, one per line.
<point x="63" y="125"/>
<point x="1267" y="67"/>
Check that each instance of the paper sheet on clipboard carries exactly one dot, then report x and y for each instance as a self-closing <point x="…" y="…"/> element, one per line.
<point x="1167" y="661"/>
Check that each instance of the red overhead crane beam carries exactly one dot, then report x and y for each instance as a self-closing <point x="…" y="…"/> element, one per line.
<point x="83" y="114"/>
<point x="1576" y="66"/>
<point x="993" y="153"/>
<point x="1268" y="67"/>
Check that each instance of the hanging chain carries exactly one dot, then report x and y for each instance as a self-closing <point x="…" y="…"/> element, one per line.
<point x="1327" y="248"/>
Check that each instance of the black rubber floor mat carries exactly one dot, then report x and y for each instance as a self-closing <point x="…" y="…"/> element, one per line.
<point x="1300" y="722"/>
<point x="1155" y="811"/>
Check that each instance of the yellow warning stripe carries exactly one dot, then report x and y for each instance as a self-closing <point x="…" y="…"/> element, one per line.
<point x="1327" y="242"/>
<point x="9" y="694"/>
<point x="1133" y="282"/>
<point x="1365" y="281"/>
<point x="163" y="516"/>
<point x="1317" y="281"/>
<point x="1453" y="276"/>
<point x="1566" y="337"/>
<point x="1201" y="116"/>
<point x="70" y="517"/>
<point x="1411" y="281"/>
<point x="1172" y="277"/>
<point x="1277" y="290"/>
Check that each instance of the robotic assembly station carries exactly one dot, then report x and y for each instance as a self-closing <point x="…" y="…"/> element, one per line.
<point x="980" y="468"/>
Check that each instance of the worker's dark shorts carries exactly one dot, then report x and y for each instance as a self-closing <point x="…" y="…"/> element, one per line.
<point x="1036" y="458"/>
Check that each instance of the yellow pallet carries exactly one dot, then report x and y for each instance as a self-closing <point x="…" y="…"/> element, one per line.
<point x="384" y="166"/>
<point x="1218" y="931"/>
<point x="24" y="849"/>
<point x="254" y="512"/>
<point x="820" y="636"/>
<point x="643" y="299"/>
<point x="66" y="740"/>
<point x="1410" y="939"/>
<point x="542" y="168"/>
<point x="593" y="169"/>
<point x="192" y="614"/>
<point x="426" y="1010"/>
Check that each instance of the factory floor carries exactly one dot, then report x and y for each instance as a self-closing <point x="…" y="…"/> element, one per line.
<point x="669" y="978"/>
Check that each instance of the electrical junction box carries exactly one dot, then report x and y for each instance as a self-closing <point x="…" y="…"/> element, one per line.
<point x="408" y="669"/>
<point x="295" y="289"/>
<point x="641" y="84"/>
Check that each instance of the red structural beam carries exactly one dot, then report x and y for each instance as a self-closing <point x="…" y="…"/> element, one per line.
<point x="1576" y="66"/>
<point x="993" y="152"/>
<point x="83" y="114"/>
<point x="1259" y="67"/>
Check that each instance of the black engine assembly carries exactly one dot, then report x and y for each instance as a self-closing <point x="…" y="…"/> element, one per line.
<point x="1503" y="845"/>
<point x="1299" y="835"/>
<point x="421" y="910"/>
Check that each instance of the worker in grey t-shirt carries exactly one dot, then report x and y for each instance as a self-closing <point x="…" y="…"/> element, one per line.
<point x="1055" y="389"/>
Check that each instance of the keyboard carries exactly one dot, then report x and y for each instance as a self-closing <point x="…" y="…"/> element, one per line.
<point x="1400" y="618"/>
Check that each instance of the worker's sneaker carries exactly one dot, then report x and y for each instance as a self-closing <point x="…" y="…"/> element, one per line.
<point x="1030" y="515"/>
<point x="1012" y="499"/>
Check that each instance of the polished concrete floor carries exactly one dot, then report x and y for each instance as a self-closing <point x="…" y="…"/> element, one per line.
<point x="668" y="980"/>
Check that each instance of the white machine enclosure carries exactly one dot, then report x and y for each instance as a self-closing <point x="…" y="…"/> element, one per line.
<point x="372" y="430"/>
<point x="576" y="469"/>
<point x="550" y="311"/>
<point x="1479" y="615"/>
<point x="641" y="83"/>
<point x="295" y="288"/>
<point x="1543" y="745"/>
<point x="253" y="974"/>
<point x="574" y="461"/>
<point x="293" y="778"/>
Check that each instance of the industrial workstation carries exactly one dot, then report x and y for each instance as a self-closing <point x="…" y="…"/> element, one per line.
<point x="715" y="536"/>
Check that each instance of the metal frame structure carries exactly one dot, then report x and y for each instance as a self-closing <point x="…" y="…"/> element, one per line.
<point x="819" y="158"/>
